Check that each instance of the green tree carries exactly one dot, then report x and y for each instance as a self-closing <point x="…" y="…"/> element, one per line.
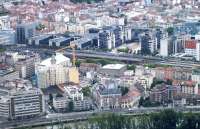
<point x="51" y="98"/>
<point x="131" y="67"/>
<point x="156" y="81"/>
<point x="147" y="103"/>
<point x="190" y="121"/>
<point x="2" y="49"/>
<point x="67" y="127"/>
<point x="78" y="63"/>
<point x="86" y="91"/>
<point x="40" y="27"/>
<point x="124" y="90"/>
<point x="125" y="50"/>
<point x="86" y="1"/>
<point x="167" y="119"/>
<point x="169" y="82"/>
<point x="170" y="31"/>
<point x="71" y="106"/>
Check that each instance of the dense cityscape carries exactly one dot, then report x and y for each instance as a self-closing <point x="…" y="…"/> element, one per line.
<point x="100" y="64"/>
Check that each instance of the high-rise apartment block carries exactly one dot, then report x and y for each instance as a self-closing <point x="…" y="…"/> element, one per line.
<point x="24" y="32"/>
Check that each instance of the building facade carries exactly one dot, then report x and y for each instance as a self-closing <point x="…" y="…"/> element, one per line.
<point x="24" y="32"/>
<point x="19" y="100"/>
<point x="53" y="71"/>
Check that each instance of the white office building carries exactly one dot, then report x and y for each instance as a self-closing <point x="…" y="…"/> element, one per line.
<point x="164" y="47"/>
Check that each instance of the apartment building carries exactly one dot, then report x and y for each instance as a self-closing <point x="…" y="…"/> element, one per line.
<point x="24" y="62"/>
<point x="19" y="100"/>
<point x="7" y="73"/>
<point x="164" y="93"/>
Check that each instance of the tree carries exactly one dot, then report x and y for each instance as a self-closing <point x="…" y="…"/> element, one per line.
<point x="170" y="31"/>
<point x="71" y="106"/>
<point x="165" y="120"/>
<point x="124" y="90"/>
<point x="147" y="103"/>
<point x="40" y="27"/>
<point x="131" y="67"/>
<point x="189" y="122"/>
<point x="51" y="98"/>
<point x="125" y="50"/>
<point x="78" y="63"/>
<point x="150" y="65"/>
<point x="67" y="127"/>
<point x="86" y="1"/>
<point x="86" y="91"/>
<point x="169" y="82"/>
<point x="2" y="49"/>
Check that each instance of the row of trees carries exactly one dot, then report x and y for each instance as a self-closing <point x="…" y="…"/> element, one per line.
<point x="101" y="61"/>
<point x="86" y="1"/>
<point x="167" y="119"/>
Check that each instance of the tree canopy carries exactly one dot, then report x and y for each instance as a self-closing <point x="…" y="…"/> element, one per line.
<point x="86" y="1"/>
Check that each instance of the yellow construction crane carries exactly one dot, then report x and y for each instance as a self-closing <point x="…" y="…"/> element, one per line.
<point x="73" y="71"/>
<point x="73" y="47"/>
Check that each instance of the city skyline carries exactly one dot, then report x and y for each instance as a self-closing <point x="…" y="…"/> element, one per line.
<point x="101" y="60"/>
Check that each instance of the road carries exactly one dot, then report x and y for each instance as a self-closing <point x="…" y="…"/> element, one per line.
<point x="135" y="58"/>
<point x="80" y="116"/>
<point x="140" y="59"/>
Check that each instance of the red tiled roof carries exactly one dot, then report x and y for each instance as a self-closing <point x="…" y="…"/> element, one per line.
<point x="179" y="82"/>
<point x="190" y="44"/>
<point x="131" y="94"/>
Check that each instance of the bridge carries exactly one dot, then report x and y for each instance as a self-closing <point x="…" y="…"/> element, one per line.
<point x="135" y="58"/>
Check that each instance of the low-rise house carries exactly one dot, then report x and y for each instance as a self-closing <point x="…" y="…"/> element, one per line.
<point x="60" y="103"/>
<point x="131" y="99"/>
<point x="187" y="87"/>
<point x="85" y="67"/>
<point x="83" y="105"/>
<point x="74" y="92"/>
<point x="141" y="70"/>
<point x="8" y="73"/>
<point x="145" y="80"/>
<point x="173" y="73"/>
<point x="127" y="81"/>
<point x="108" y="98"/>
<point x="186" y="100"/>
<point x="113" y="70"/>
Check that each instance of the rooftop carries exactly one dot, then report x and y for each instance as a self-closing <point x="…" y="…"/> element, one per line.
<point x="16" y="86"/>
<point x="5" y="69"/>
<point x="114" y="66"/>
<point x="106" y="91"/>
<point x="131" y="94"/>
<point x="60" y="58"/>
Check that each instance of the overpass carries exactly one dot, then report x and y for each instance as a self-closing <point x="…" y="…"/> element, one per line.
<point x="81" y="116"/>
<point x="134" y="58"/>
<point x="121" y="57"/>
